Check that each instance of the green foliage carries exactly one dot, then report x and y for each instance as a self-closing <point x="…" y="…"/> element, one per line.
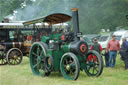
<point x="94" y="14"/>
<point x="102" y="14"/>
<point x="8" y="6"/>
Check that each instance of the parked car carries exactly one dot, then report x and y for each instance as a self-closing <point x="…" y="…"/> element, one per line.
<point x="104" y="39"/>
<point x="121" y="34"/>
<point x="92" y="36"/>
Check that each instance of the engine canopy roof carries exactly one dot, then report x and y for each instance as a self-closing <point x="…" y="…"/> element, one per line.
<point x="51" y="19"/>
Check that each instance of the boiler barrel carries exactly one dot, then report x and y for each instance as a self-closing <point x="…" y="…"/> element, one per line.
<point x="13" y="44"/>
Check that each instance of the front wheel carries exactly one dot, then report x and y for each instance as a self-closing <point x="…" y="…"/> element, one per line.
<point x="94" y="64"/>
<point x="69" y="66"/>
<point x="14" y="56"/>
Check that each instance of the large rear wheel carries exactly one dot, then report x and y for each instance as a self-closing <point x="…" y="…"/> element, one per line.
<point x="94" y="64"/>
<point x="3" y="60"/>
<point x="69" y="66"/>
<point x="37" y="59"/>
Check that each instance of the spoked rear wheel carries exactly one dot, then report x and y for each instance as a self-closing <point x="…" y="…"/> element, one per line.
<point x="3" y="60"/>
<point x="37" y="59"/>
<point x="69" y="66"/>
<point x="14" y="56"/>
<point x="94" y="64"/>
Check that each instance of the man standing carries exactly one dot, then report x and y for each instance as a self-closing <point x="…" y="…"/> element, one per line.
<point x="113" y="46"/>
<point x="124" y="52"/>
<point x="96" y="46"/>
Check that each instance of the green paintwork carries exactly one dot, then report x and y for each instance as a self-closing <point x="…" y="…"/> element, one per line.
<point x="56" y="37"/>
<point x="45" y="39"/>
<point x="57" y="51"/>
<point x="69" y="63"/>
<point x="37" y="54"/>
<point x="57" y="57"/>
<point x="65" y="47"/>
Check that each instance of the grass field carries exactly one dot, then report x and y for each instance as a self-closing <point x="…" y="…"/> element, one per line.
<point x="22" y="75"/>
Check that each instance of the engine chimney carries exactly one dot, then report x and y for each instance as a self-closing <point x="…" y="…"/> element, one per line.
<point x="75" y="21"/>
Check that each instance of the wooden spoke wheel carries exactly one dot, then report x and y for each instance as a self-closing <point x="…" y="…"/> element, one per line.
<point x="3" y="60"/>
<point x="69" y="66"/>
<point x="14" y="56"/>
<point x="94" y="64"/>
<point x="37" y="59"/>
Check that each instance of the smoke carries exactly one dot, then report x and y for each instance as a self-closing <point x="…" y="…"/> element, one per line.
<point x="36" y="9"/>
<point x="27" y="13"/>
<point x="93" y="14"/>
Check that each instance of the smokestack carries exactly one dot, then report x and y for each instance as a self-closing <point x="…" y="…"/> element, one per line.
<point x="75" y="22"/>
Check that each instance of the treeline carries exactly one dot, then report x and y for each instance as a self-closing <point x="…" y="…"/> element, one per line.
<point x="94" y="15"/>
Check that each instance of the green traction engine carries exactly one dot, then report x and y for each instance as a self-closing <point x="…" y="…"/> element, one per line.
<point x="64" y="52"/>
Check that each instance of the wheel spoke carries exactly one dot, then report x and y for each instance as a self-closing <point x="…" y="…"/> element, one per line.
<point x="35" y="65"/>
<point x="34" y="54"/>
<point x="72" y="63"/>
<point x="93" y="70"/>
<point x="2" y="61"/>
<point x="17" y="60"/>
<point x="13" y="61"/>
<point x="66" y="61"/>
<point x="41" y="53"/>
<point x="71" y="72"/>
<point x="89" y="68"/>
<point x="38" y="50"/>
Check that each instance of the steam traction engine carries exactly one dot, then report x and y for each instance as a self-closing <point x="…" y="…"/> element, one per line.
<point x="11" y="53"/>
<point x="65" y="53"/>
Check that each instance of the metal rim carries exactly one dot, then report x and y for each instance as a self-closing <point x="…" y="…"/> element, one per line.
<point x="94" y="64"/>
<point x="69" y="66"/>
<point x="37" y="59"/>
<point x="14" y="56"/>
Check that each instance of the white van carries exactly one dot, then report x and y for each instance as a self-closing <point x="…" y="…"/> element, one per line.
<point x="104" y="39"/>
<point x="121" y="34"/>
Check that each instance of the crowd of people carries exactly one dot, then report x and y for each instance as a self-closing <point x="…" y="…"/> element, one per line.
<point x="113" y="48"/>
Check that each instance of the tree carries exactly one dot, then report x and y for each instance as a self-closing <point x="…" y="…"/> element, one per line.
<point x="8" y="6"/>
<point x="94" y="15"/>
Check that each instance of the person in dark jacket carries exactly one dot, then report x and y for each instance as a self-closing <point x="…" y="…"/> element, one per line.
<point x="106" y="54"/>
<point x="124" y="52"/>
<point x="96" y="46"/>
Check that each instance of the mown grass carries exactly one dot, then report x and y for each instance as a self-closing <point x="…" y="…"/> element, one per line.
<point x="22" y="75"/>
